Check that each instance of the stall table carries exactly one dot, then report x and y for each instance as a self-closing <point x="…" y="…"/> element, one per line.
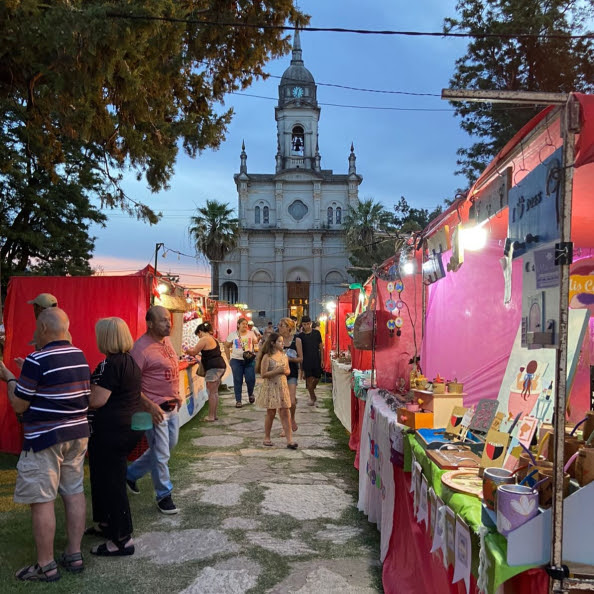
<point x="341" y="392"/>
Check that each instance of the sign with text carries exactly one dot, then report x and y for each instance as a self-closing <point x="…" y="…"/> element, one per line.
<point x="534" y="216"/>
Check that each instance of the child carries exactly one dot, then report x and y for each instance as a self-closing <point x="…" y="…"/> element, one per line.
<point x="273" y="366"/>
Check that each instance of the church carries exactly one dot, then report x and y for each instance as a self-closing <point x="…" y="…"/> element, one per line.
<point x="291" y="254"/>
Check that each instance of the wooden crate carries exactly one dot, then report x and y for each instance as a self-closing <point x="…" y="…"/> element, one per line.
<point x="441" y="405"/>
<point x="415" y="420"/>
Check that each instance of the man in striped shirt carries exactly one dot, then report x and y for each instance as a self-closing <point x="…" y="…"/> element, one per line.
<point x="52" y="395"/>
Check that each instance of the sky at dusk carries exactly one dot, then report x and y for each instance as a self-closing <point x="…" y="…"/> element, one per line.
<point x="405" y="144"/>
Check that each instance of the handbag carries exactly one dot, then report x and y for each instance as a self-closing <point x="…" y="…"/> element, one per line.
<point x="201" y="372"/>
<point x="248" y="356"/>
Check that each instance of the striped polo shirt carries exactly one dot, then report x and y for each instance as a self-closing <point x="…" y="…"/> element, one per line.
<point x="56" y="382"/>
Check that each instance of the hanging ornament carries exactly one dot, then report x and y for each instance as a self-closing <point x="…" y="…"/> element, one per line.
<point x="350" y="324"/>
<point x="391" y="323"/>
<point x="390" y="305"/>
<point x="399" y="286"/>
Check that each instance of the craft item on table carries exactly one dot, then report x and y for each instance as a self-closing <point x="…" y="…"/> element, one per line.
<point x="454" y="426"/>
<point x="544" y="483"/>
<point x="454" y="456"/>
<point x="438" y="526"/>
<point x="463" y="553"/>
<point x="432" y="498"/>
<point x="584" y="472"/>
<point x="465" y="481"/>
<point x="572" y="445"/>
<point x="455" y="387"/>
<point x="524" y="432"/>
<point x="492" y="478"/>
<point x="439" y="385"/>
<point x="516" y="505"/>
<point x="495" y="449"/>
<point x="484" y="416"/>
<point x="415" y="419"/>
<point x="514" y="396"/>
<point x="450" y="535"/>
<point x="423" y="511"/>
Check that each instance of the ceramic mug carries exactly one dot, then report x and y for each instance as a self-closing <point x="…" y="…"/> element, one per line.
<point x="545" y="489"/>
<point x="584" y="471"/>
<point x="516" y="505"/>
<point x="492" y="478"/>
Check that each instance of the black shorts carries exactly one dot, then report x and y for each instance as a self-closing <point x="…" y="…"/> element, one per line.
<point x="313" y="372"/>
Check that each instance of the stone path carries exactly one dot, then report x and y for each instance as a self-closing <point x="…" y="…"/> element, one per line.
<point x="252" y="519"/>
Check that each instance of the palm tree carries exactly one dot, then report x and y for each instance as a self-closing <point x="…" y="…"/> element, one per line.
<point x="370" y="235"/>
<point x="215" y="233"/>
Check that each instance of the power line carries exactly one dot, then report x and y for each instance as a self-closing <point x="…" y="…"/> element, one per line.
<point x="384" y="32"/>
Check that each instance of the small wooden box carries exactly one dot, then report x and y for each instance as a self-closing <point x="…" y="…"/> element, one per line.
<point x="415" y="420"/>
<point x="441" y="405"/>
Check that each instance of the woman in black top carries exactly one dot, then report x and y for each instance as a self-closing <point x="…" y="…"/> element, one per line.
<point x="213" y="363"/>
<point x="115" y="393"/>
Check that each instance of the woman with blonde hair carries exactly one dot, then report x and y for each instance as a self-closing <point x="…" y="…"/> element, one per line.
<point x="115" y="394"/>
<point x="272" y="364"/>
<point x="294" y="352"/>
<point x="240" y="348"/>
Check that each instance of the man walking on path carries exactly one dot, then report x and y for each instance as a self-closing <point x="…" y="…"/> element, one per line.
<point x="52" y="394"/>
<point x="313" y="355"/>
<point x="159" y="365"/>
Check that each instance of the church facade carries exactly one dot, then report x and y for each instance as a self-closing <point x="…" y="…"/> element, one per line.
<point x="291" y="254"/>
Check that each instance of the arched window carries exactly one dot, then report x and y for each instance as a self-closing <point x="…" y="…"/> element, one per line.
<point x="297" y="140"/>
<point x="266" y="215"/>
<point x="330" y="216"/>
<point x="257" y="215"/>
<point x="338" y="215"/>
<point x="230" y="292"/>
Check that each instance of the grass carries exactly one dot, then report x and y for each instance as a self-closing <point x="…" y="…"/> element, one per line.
<point x="136" y="574"/>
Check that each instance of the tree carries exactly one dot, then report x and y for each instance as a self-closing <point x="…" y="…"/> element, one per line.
<point x="215" y="233"/>
<point x="548" y="60"/>
<point x="409" y="219"/>
<point x="370" y="236"/>
<point x="90" y="89"/>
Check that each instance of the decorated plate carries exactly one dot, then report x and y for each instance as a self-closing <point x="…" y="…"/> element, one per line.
<point x="465" y="481"/>
<point x="390" y="305"/>
<point x="390" y="287"/>
<point x="399" y="286"/>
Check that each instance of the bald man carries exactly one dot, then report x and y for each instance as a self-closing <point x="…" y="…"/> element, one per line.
<point x="52" y="394"/>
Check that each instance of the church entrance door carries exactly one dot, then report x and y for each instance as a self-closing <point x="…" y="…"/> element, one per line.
<point x="298" y="298"/>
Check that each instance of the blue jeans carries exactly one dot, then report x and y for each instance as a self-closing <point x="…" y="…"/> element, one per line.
<point x="162" y="438"/>
<point x="240" y="370"/>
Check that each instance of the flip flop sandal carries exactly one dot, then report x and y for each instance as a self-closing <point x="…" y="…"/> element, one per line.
<point x="35" y="573"/>
<point x="68" y="562"/>
<point x="292" y="446"/>
<point x="267" y="443"/>
<point x="122" y="550"/>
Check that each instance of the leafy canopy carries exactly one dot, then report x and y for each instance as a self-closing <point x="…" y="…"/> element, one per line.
<point x="539" y="63"/>
<point x="91" y="89"/>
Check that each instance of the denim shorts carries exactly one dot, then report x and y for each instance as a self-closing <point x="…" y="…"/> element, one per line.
<point x="292" y="380"/>
<point x="214" y="374"/>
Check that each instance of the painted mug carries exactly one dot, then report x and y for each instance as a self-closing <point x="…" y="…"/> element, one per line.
<point x="584" y="471"/>
<point x="545" y="488"/>
<point x="516" y="505"/>
<point x="492" y="478"/>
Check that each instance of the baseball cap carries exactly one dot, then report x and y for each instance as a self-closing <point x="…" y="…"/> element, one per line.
<point x="44" y="300"/>
<point x="250" y="323"/>
<point x="305" y="319"/>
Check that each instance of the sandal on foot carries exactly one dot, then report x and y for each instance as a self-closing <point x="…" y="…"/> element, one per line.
<point x="292" y="446"/>
<point x="252" y="400"/>
<point x="267" y="443"/>
<point x="238" y="405"/>
<point x="122" y="550"/>
<point x="68" y="562"/>
<point x="36" y="573"/>
<point x="207" y="420"/>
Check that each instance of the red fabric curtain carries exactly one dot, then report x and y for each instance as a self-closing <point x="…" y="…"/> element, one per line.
<point x="85" y="300"/>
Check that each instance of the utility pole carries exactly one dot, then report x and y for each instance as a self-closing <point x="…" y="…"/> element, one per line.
<point x="158" y="246"/>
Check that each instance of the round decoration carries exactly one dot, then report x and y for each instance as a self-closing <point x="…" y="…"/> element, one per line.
<point x="391" y="324"/>
<point x="390" y="305"/>
<point x="398" y="322"/>
<point x="399" y="304"/>
<point x="399" y="286"/>
<point x="465" y="481"/>
<point x="390" y="287"/>
<point x="350" y="324"/>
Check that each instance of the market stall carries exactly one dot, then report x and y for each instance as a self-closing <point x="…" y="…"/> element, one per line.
<point x="85" y="300"/>
<point x="475" y="491"/>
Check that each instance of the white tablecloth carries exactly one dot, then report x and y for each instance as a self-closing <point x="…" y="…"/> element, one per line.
<point x="341" y="393"/>
<point x="376" y="474"/>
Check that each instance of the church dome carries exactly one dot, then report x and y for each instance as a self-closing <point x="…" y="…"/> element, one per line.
<point x="296" y="73"/>
<point x="297" y="83"/>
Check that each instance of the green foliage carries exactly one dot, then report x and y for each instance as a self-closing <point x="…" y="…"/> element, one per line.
<point x="550" y="62"/>
<point x="409" y="219"/>
<point x="215" y="233"/>
<point x="90" y="89"/>
<point x="370" y="236"/>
